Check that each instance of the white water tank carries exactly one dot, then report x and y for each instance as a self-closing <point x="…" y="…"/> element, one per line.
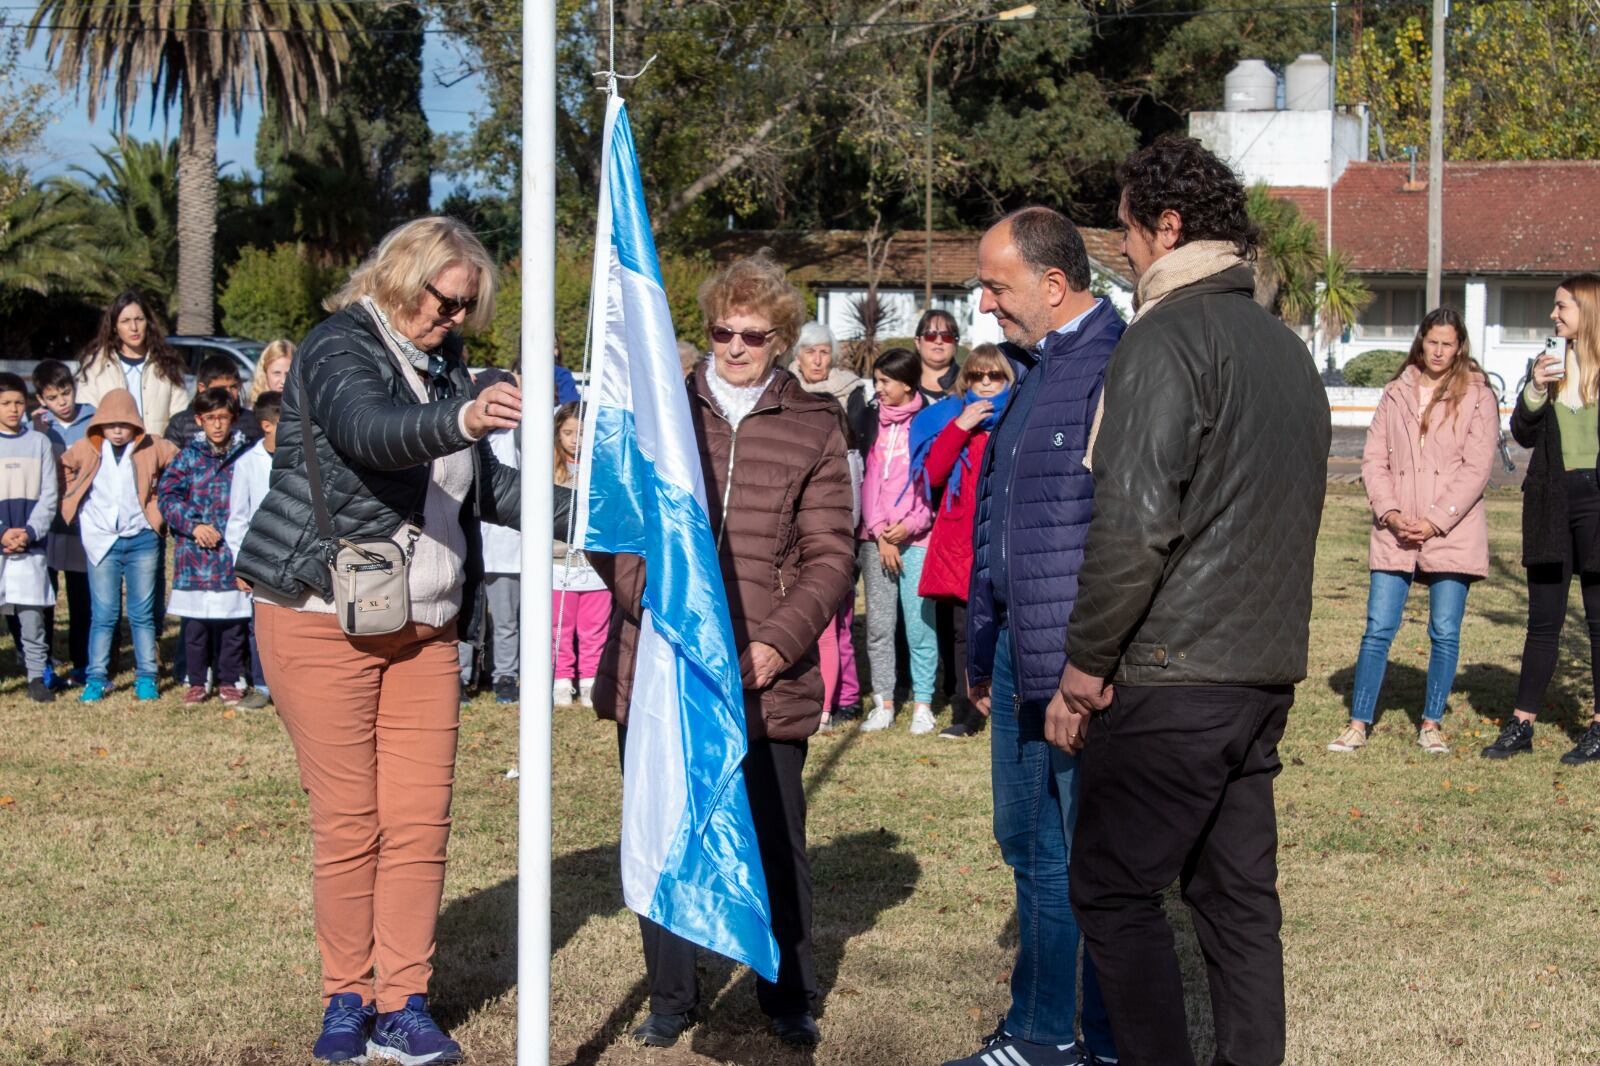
<point x="1250" y="86"/>
<point x="1308" y="84"/>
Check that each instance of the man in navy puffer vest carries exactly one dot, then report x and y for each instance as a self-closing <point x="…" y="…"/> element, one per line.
<point x="1035" y="499"/>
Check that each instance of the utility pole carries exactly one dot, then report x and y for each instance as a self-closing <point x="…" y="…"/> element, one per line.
<point x="1436" y="160"/>
<point x="1026" y="11"/>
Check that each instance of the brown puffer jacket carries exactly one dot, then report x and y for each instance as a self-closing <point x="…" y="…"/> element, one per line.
<point x="784" y="545"/>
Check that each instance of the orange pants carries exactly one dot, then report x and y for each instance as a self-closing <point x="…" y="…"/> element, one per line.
<point x="374" y="723"/>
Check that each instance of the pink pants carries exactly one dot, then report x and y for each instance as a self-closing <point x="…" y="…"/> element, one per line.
<point x="585" y="617"/>
<point x="828" y="659"/>
<point x="848" y="688"/>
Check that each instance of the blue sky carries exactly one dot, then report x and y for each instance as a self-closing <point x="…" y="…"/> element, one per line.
<point x="72" y="139"/>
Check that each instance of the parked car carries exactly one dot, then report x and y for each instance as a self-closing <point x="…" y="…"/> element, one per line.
<point x="196" y="349"/>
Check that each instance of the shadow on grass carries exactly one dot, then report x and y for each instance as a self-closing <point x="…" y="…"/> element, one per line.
<point x="1490" y="689"/>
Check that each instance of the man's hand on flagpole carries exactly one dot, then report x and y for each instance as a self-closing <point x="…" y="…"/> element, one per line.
<point x="759" y="664"/>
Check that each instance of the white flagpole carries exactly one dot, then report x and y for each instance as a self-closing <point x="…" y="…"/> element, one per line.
<point x="538" y="446"/>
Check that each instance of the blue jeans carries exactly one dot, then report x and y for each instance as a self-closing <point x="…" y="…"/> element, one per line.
<point x="1447" y="602"/>
<point x="133" y="560"/>
<point x="1035" y="808"/>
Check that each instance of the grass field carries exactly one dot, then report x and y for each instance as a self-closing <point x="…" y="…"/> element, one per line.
<point x="155" y="883"/>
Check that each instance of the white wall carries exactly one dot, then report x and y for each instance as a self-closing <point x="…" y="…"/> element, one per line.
<point x="1283" y="147"/>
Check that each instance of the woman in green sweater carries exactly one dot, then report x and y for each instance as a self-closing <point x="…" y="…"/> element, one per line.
<point x="1558" y="417"/>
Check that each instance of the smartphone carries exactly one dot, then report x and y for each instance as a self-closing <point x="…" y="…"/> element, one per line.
<point x="1556" y="348"/>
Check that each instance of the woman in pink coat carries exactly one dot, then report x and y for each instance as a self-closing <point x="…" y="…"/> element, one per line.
<point x="1425" y="466"/>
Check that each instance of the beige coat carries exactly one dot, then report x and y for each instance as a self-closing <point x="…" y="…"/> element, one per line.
<point x="1441" y="479"/>
<point x="161" y="400"/>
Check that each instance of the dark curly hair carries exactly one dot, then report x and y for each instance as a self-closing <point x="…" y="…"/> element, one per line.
<point x="1179" y="174"/>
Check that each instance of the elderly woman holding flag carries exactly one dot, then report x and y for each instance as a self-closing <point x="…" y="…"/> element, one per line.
<point x="381" y="438"/>
<point x="778" y="485"/>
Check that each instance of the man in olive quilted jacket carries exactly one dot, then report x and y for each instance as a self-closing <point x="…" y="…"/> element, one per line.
<point x="1192" y="618"/>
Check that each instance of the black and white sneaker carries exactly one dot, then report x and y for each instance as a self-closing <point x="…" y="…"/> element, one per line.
<point x="1588" y="748"/>
<point x="1515" y="736"/>
<point x="1002" y="1049"/>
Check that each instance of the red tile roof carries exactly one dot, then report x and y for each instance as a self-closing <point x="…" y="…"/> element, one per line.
<point x="1499" y="218"/>
<point x="839" y="257"/>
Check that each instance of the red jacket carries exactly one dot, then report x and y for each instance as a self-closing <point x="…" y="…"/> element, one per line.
<point x="947" y="568"/>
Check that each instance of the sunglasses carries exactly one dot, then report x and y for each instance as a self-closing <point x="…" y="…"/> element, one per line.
<point x="753" y="338"/>
<point x="976" y="376"/>
<point x="449" y="306"/>
<point x="940" y="337"/>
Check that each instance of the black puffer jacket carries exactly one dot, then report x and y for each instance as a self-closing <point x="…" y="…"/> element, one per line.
<point x="1209" y="474"/>
<point x="374" y="443"/>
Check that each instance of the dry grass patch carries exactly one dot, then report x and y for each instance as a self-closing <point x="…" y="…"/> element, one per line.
<point x="157" y="900"/>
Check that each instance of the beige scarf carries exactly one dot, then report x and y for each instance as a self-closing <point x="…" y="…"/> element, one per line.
<point x="1181" y="267"/>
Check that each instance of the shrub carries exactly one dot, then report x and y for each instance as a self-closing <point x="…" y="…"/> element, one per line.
<point x="498" y="345"/>
<point x="276" y="292"/>
<point x="1371" y="370"/>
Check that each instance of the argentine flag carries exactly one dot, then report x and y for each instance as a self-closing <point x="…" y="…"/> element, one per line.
<point x="689" y="857"/>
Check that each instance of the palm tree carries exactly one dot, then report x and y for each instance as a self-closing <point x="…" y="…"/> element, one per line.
<point x="49" y="245"/>
<point x="136" y="198"/>
<point x="202" y="55"/>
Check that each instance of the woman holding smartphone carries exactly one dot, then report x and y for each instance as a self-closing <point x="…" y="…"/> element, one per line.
<point x="1426" y="463"/>
<point x="1558" y="417"/>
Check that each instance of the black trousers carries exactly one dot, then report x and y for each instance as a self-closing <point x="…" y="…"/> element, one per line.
<point x="1548" y="587"/>
<point x="226" y="637"/>
<point x="1176" y="784"/>
<point x="774" y="778"/>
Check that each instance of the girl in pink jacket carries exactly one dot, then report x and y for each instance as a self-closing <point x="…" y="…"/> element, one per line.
<point x="1425" y="466"/>
<point x="895" y="522"/>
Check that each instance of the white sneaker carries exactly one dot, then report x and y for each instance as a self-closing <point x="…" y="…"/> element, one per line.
<point x="585" y="692"/>
<point x="881" y="718"/>
<point x="922" y="720"/>
<point x="561" y="692"/>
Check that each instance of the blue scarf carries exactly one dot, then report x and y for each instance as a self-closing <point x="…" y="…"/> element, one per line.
<point x="927" y="426"/>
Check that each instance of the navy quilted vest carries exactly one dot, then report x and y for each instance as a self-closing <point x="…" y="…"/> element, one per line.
<point x="1035" y="500"/>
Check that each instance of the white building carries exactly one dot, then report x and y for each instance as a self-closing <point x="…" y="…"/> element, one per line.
<point x="833" y="265"/>
<point x="1512" y="231"/>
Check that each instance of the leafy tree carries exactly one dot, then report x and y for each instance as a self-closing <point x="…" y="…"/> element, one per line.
<point x="1520" y="79"/>
<point x="365" y="165"/>
<point x="276" y="292"/>
<point x="203" y="55"/>
<point x="24" y="114"/>
<point x="1295" y="277"/>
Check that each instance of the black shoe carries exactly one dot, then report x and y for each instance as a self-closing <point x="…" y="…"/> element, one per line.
<point x="662" y="1030"/>
<point x="957" y="731"/>
<point x="39" y="692"/>
<point x="1515" y="736"/>
<point x="506" y="690"/>
<point x="797" y="1030"/>
<point x="1588" y="749"/>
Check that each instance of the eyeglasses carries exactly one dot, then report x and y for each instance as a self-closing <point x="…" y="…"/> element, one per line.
<point x="215" y="418"/>
<point x="976" y="376"/>
<point x="940" y="337"/>
<point x="753" y="338"/>
<point x="449" y="306"/>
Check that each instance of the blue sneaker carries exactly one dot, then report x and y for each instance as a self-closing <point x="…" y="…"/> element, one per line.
<point x="345" y="1026"/>
<point x="53" y="681"/>
<point x="93" y="691"/>
<point x="75" y="677"/>
<point x="145" y="689"/>
<point x="411" y="1036"/>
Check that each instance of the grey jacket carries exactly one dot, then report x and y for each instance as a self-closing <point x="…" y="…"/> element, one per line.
<point x="374" y="443"/>
<point x="1209" y="470"/>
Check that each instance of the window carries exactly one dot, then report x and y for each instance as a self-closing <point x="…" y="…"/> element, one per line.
<point x="1525" y="312"/>
<point x="1397" y="308"/>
